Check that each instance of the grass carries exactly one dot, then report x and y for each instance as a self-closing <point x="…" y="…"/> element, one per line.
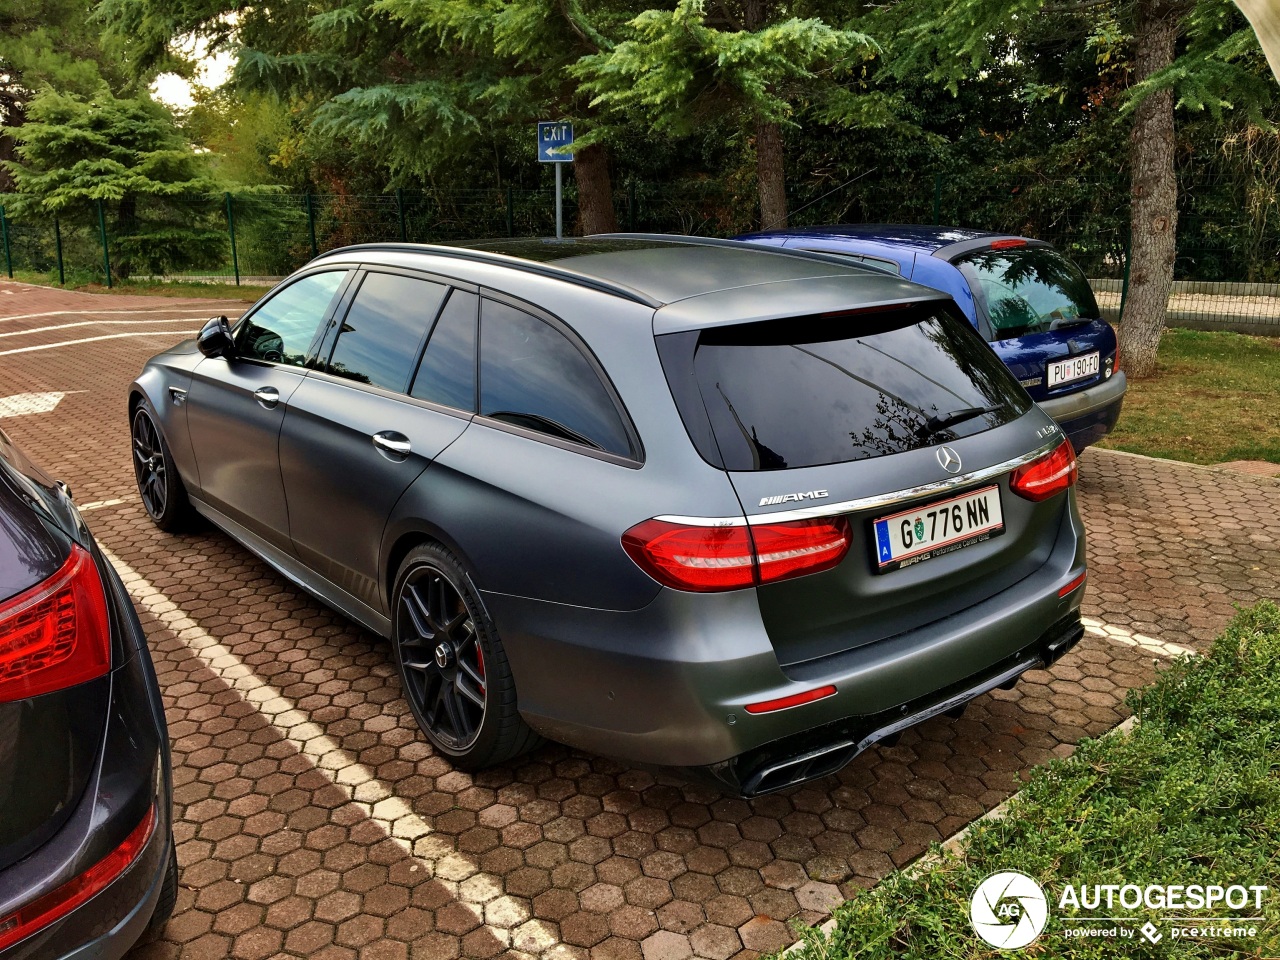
<point x="195" y="288"/>
<point x="1217" y="398"/>
<point x="1191" y="796"/>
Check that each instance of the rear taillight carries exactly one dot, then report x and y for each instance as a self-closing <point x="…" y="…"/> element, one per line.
<point x="56" y="904"/>
<point x="1008" y="244"/>
<point x="1051" y="474"/>
<point x="56" y="634"/>
<point x="1115" y="367"/>
<point x="705" y="559"/>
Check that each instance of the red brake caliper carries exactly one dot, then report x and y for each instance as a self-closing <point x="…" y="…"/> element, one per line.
<point x="480" y="664"/>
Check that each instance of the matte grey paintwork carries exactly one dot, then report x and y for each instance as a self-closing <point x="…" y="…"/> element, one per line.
<point x="604" y="657"/>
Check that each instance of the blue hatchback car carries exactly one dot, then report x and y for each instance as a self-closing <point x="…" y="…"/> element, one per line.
<point x="1032" y="304"/>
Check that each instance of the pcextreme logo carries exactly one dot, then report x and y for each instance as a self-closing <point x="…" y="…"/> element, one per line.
<point x="1008" y="910"/>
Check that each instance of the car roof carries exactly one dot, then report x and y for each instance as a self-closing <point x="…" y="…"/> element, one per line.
<point x="653" y="269"/>
<point x="920" y="237"/>
<point x="690" y="282"/>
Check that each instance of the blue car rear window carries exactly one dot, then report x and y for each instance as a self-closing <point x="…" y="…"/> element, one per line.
<point x="1027" y="289"/>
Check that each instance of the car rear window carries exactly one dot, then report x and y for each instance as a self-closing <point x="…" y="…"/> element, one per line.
<point x="1027" y="289"/>
<point x="816" y="390"/>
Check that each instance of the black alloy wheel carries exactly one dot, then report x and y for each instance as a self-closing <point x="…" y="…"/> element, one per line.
<point x="163" y="495"/>
<point x="148" y="464"/>
<point x="452" y="665"/>
<point x="442" y="657"/>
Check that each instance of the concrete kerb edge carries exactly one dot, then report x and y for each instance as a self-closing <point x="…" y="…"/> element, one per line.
<point x="1210" y="467"/>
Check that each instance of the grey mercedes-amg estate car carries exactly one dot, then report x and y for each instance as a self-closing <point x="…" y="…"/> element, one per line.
<point x="691" y="503"/>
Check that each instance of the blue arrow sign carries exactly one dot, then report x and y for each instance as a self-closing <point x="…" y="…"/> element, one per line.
<point x="555" y="142"/>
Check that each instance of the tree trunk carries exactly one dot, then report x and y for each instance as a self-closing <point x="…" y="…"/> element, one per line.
<point x="1153" y="193"/>
<point x="771" y="176"/>
<point x="771" y="171"/>
<point x="12" y="116"/>
<point x="595" y="190"/>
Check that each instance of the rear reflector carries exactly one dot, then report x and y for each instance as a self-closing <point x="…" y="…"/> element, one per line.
<point x="1050" y="475"/>
<point x="56" y="904"/>
<point x="1073" y="585"/>
<point x="706" y="559"/>
<point x="782" y="703"/>
<point x="56" y="634"/>
<point x="1006" y="244"/>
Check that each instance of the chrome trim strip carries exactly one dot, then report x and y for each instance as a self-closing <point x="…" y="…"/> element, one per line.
<point x="877" y="502"/>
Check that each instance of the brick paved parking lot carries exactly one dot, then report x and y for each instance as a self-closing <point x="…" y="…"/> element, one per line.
<point x="313" y="820"/>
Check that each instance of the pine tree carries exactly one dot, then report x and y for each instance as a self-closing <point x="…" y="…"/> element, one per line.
<point x="127" y="154"/>
<point x="750" y="60"/>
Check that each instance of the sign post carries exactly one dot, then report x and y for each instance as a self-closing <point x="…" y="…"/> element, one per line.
<point x="555" y="145"/>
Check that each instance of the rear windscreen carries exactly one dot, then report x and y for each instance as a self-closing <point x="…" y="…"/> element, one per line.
<point x="816" y="390"/>
<point x="1028" y="289"/>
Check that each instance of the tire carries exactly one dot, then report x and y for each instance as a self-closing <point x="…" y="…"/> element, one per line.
<point x="163" y="495"/>
<point x="168" y="898"/>
<point x="452" y="665"/>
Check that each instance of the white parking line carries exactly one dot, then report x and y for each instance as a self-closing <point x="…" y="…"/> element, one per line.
<point x="98" y="323"/>
<point x="104" y="313"/>
<point x="1161" y="648"/>
<point x="99" y="504"/>
<point x="108" y="336"/>
<point x="505" y="917"/>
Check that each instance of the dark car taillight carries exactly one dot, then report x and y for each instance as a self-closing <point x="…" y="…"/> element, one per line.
<point x="56" y="904"/>
<point x="705" y="559"/>
<point x="56" y="634"/>
<point x="1051" y="474"/>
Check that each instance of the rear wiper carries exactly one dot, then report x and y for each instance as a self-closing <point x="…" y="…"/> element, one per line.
<point x="1061" y="322"/>
<point x="938" y="423"/>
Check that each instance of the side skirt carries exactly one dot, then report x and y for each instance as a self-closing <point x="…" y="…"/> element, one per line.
<point x="319" y="587"/>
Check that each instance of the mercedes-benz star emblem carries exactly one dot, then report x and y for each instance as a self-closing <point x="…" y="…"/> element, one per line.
<point x="949" y="459"/>
<point x="442" y="655"/>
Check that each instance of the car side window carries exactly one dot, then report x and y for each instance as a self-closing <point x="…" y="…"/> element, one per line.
<point x="447" y="373"/>
<point x="381" y="332"/>
<point x="533" y="376"/>
<point x="282" y="329"/>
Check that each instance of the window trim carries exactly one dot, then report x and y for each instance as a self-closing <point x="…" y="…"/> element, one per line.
<point x="637" y="455"/>
<point x="322" y="329"/>
<point x="333" y="329"/>
<point x="426" y="342"/>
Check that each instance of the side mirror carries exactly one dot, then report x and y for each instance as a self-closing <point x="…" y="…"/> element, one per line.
<point x="214" y="339"/>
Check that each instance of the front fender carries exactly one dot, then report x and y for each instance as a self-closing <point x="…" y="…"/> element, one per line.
<point x="165" y="387"/>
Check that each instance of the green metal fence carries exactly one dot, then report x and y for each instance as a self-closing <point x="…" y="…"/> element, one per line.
<point x="1227" y="270"/>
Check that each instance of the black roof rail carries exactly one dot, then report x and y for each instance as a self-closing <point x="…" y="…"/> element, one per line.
<point x="502" y="260"/>
<point x="738" y="245"/>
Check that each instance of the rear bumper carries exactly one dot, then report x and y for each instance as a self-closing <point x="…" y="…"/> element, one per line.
<point x="1089" y="415"/>
<point x="131" y="775"/>
<point x="669" y="684"/>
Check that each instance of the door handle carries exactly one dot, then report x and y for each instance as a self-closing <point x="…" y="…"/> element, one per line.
<point x="392" y="445"/>
<point x="267" y="397"/>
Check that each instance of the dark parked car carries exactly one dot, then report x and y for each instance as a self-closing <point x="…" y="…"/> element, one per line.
<point x="689" y="503"/>
<point x="87" y="862"/>
<point x="1029" y="301"/>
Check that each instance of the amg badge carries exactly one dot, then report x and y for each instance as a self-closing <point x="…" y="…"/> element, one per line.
<point x="791" y="497"/>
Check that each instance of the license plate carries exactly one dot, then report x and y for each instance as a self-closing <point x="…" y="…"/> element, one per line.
<point x="935" y="529"/>
<point x="1077" y="368"/>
